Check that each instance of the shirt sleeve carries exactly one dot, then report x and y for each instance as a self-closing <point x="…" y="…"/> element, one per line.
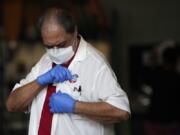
<point x="32" y="75"/>
<point x="109" y="90"/>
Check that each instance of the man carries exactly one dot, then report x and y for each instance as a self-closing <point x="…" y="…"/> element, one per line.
<point x="71" y="90"/>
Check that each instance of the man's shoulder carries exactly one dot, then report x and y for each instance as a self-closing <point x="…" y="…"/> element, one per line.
<point x="94" y="58"/>
<point x="43" y="60"/>
<point x="95" y="55"/>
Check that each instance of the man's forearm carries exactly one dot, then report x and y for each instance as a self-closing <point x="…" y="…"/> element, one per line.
<point x="101" y="111"/>
<point x="22" y="97"/>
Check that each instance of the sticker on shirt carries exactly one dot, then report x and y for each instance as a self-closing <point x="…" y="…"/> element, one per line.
<point x="74" y="78"/>
<point x="77" y="92"/>
<point x="73" y="87"/>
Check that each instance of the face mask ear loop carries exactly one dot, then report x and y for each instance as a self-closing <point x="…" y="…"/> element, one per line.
<point x="75" y="41"/>
<point x="55" y="49"/>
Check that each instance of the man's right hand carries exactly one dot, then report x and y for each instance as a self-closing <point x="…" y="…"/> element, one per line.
<point x="55" y="75"/>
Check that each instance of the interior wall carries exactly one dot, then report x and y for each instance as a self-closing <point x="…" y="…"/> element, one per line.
<point x="147" y="21"/>
<point x="141" y="22"/>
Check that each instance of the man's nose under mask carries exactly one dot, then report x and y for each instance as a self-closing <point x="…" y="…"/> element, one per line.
<point x="60" y="55"/>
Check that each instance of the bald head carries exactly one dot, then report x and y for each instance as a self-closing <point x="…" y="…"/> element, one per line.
<point x="58" y="28"/>
<point x="54" y="18"/>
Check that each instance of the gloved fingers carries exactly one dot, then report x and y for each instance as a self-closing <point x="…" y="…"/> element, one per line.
<point x="56" y="104"/>
<point x="50" y="102"/>
<point x="51" y="106"/>
<point x="56" y="79"/>
<point x="60" y="76"/>
<point x="65" y="95"/>
<point x="58" y="67"/>
<point x="52" y="110"/>
<point x="61" y="103"/>
<point x="53" y="94"/>
<point x="68" y="75"/>
<point x="74" y="78"/>
<point x="55" y="101"/>
<point x="55" y="70"/>
<point x="51" y="99"/>
<point x="52" y="72"/>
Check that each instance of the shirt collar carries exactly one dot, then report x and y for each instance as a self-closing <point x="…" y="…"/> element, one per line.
<point x="81" y="52"/>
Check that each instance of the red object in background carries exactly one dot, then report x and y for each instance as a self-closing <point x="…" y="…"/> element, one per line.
<point x="12" y="24"/>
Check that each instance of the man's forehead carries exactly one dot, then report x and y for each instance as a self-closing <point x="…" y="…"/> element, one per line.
<point x="52" y="27"/>
<point x="54" y="34"/>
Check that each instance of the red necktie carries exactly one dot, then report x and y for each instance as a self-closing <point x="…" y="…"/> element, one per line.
<point x="46" y="115"/>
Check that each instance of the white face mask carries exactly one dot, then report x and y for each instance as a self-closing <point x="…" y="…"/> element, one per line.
<point x="60" y="55"/>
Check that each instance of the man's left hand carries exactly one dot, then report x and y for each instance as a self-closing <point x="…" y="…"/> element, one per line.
<point x="61" y="103"/>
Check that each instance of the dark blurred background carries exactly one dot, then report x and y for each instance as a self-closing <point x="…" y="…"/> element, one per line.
<point x="141" y="40"/>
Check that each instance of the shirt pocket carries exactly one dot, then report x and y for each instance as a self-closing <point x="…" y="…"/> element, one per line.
<point x="73" y="89"/>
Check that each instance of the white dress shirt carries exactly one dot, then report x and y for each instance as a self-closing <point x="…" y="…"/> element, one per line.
<point x="96" y="82"/>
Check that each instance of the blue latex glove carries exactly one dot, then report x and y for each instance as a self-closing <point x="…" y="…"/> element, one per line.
<point x="61" y="103"/>
<point x="55" y="75"/>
